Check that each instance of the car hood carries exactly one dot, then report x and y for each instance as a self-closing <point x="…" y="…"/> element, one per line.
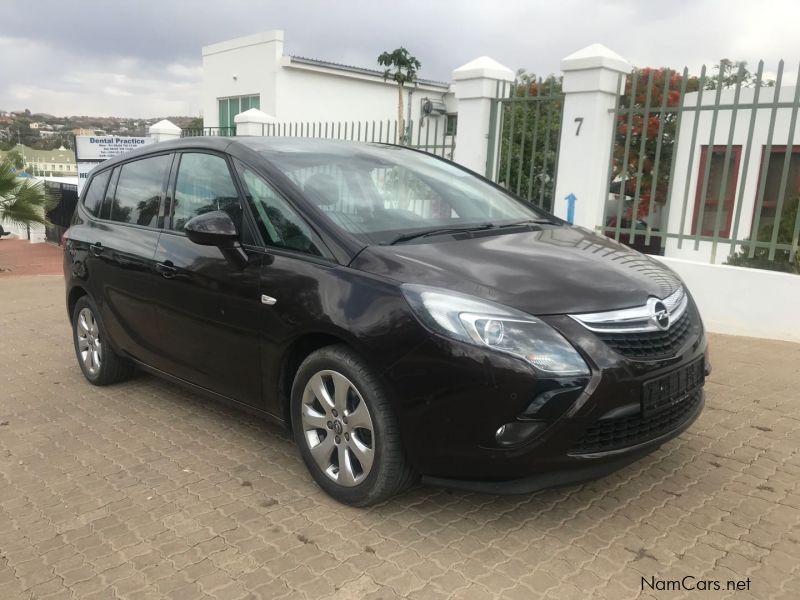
<point x="554" y="270"/>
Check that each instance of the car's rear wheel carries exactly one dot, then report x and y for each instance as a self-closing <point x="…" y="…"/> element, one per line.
<point x="346" y="430"/>
<point x="99" y="363"/>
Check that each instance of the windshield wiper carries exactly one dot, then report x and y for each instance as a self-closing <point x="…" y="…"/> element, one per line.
<point x="404" y="237"/>
<point x="529" y="222"/>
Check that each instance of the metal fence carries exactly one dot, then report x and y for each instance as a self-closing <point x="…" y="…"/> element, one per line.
<point x="430" y="134"/>
<point x="707" y="166"/>
<point x="528" y="116"/>
<point x="208" y="131"/>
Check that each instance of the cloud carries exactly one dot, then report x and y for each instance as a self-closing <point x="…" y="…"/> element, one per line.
<point x="142" y="59"/>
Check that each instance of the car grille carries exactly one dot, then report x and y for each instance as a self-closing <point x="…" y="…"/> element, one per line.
<point x="650" y="344"/>
<point x="622" y="432"/>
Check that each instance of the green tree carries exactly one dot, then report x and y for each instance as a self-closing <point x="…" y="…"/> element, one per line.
<point x="16" y="159"/>
<point x="728" y="72"/>
<point x="23" y="201"/>
<point x="402" y="68"/>
<point x="529" y="138"/>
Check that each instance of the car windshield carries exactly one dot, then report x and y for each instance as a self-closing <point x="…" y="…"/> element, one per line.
<point x="386" y="194"/>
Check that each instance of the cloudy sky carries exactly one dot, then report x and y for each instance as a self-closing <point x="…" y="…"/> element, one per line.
<point x="143" y="58"/>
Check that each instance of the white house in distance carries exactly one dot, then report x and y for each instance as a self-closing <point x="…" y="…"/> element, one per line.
<point x="253" y="72"/>
<point x="744" y="174"/>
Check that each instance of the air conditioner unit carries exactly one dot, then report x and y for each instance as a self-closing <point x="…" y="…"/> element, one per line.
<point x="432" y="106"/>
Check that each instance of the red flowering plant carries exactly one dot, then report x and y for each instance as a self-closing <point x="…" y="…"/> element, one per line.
<point x="665" y="91"/>
<point x="640" y="129"/>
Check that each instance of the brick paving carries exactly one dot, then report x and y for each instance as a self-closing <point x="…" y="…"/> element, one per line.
<point x="145" y="490"/>
<point x="20" y="257"/>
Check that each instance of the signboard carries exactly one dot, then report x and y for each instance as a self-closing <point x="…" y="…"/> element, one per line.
<point x="91" y="150"/>
<point x="84" y="168"/>
<point x="101" y="147"/>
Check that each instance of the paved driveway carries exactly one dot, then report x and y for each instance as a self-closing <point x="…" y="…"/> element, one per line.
<point x="144" y="490"/>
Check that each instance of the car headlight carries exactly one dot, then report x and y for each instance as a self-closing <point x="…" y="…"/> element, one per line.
<point x="495" y="326"/>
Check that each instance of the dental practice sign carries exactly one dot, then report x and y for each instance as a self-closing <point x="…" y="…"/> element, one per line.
<point x="91" y="150"/>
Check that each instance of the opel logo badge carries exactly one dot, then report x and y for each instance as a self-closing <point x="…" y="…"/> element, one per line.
<point x="659" y="314"/>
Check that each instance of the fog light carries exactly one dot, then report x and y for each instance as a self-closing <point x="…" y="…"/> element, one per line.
<point x="512" y="434"/>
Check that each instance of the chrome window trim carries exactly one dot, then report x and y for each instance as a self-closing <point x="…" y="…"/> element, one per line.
<point x="638" y="319"/>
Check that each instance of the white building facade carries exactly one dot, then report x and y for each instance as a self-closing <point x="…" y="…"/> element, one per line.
<point x="253" y="72"/>
<point x="754" y="129"/>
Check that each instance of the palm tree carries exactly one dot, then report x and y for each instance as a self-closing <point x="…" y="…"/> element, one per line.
<point x="402" y="68"/>
<point x="23" y="201"/>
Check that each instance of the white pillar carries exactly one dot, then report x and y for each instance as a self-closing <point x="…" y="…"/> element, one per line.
<point x="477" y="83"/>
<point x="164" y="131"/>
<point x="253" y="122"/>
<point x="591" y="89"/>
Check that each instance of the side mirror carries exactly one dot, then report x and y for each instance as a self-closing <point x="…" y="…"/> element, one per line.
<point x="212" y="229"/>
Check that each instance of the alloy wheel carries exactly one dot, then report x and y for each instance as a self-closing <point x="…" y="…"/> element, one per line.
<point x="90" y="347"/>
<point x="338" y="428"/>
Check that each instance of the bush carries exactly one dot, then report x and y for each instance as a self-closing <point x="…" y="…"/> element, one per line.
<point x="760" y="259"/>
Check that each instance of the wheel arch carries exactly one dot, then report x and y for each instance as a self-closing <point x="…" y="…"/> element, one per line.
<point x="300" y="349"/>
<point x="75" y="294"/>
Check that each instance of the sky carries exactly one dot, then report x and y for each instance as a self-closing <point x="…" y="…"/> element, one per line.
<point x="142" y="58"/>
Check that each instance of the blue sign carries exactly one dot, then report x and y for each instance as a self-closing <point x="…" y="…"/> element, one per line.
<point x="571" y="208"/>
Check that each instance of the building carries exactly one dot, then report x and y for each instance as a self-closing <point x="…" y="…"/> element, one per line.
<point x="253" y="72"/>
<point x="733" y="188"/>
<point x="82" y="131"/>
<point x="49" y="163"/>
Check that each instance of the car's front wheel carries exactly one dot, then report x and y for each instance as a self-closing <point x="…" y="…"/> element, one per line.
<point x="346" y="430"/>
<point x="99" y="363"/>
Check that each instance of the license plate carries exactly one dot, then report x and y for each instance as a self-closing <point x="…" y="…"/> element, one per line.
<point x="672" y="388"/>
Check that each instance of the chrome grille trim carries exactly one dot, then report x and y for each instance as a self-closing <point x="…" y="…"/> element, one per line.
<point x="634" y="320"/>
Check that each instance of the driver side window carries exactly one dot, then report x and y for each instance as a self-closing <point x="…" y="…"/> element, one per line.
<point x="278" y="222"/>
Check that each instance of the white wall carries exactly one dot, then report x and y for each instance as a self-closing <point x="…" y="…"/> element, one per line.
<point x="742" y="301"/>
<point x="294" y="91"/>
<point x="683" y="196"/>
<point x="240" y="67"/>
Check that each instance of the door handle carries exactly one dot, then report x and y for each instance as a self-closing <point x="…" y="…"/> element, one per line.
<point x="166" y="269"/>
<point x="96" y="249"/>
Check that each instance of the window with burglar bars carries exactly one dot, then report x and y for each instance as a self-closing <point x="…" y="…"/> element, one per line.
<point x="707" y="166"/>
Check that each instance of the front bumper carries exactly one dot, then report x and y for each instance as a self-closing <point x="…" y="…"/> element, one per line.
<point x="574" y="469"/>
<point x="452" y="398"/>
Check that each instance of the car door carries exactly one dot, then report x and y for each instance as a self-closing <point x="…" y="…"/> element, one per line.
<point x="207" y="306"/>
<point x="295" y="279"/>
<point x="121" y="249"/>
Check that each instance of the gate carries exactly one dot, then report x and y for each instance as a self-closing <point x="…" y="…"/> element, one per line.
<point x="707" y="166"/>
<point x="525" y="122"/>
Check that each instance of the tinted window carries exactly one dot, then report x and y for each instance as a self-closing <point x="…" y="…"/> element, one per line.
<point x="94" y="195"/>
<point x="105" y="210"/>
<point x="139" y="191"/>
<point x="204" y="185"/>
<point x="280" y="225"/>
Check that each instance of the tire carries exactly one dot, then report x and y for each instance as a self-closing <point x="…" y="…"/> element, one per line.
<point x="356" y="428"/>
<point x="98" y="362"/>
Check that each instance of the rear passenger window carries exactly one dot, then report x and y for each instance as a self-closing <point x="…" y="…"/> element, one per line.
<point x="94" y="194"/>
<point x="204" y="185"/>
<point x="139" y="190"/>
